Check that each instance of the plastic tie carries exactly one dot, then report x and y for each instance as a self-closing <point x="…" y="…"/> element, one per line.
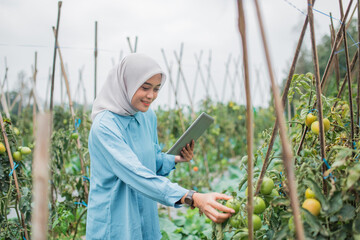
<point x="12" y="170"/>
<point x="81" y="203"/>
<point x="24" y="238"/>
<point x="86" y="178"/>
<point x="312" y="110"/>
<point x="326" y="163"/>
<point x="77" y="123"/>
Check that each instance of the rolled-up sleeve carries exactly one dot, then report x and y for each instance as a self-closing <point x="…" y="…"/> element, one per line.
<point x="127" y="167"/>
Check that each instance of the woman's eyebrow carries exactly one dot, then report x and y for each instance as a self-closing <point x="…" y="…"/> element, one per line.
<point x="151" y="84"/>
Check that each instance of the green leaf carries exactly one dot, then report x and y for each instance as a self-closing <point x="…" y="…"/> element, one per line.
<point x="356" y="224"/>
<point x="346" y="213"/>
<point x="335" y="203"/>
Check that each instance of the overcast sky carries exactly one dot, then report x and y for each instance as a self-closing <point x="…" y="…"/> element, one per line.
<point x="201" y="25"/>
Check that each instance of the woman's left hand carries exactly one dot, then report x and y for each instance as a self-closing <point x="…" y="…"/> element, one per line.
<point x="187" y="153"/>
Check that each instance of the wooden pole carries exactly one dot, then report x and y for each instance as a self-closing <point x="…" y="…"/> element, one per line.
<point x="41" y="178"/>
<point x="318" y="90"/>
<point x="34" y="102"/>
<point x="54" y="60"/>
<point x="95" y="60"/>
<point x="198" y="62"/>
<point x="286" y="147"/>
<point x="249" y="120"/>
<point x="78" y="144"/>
<point x="185" y="84"/>
<point x="358" y="77"/>
<point x="8" y="150"/>
<point x="227" y="75"/>
<point x="348" y="79"/>
<point x="336" y="65"/>
<point x="196" y="79"/>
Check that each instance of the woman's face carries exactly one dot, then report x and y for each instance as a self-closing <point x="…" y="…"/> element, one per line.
<point x="146" y="93"/>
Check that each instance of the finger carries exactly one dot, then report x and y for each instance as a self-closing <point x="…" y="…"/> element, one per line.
<point x="222" y="208"/>
<point x="192" y="145"/>
<point x="218" y="216"/>
<point x="222" y="196"/>
<point x="185" y="153"/>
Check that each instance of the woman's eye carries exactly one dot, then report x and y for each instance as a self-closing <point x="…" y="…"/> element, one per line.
<point x="145" y="88"/>
<point x="156" y="89"/>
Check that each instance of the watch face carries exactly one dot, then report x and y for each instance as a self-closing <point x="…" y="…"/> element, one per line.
<point x="188" y="201"/>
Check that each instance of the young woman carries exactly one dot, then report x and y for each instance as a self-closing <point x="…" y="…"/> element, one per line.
<point x="127" y="167"/>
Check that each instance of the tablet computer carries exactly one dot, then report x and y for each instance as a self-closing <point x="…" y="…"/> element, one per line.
<point x="196" y="129"/>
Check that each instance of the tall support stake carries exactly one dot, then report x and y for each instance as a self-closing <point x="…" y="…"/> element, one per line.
<point x="286" y="147"/>
<point x="318" y="89"/>
<point x="336" y="64"/>
<point x="348" y="79"/>
<point x="283" y="99"/>
<point x="358" y="77"/>
<point x="41" y="178"/>
<point x="78" y="144"/>
<point x="54" y="60"/>
<point x="249" y="120"/>
<point x="34" y="102"/>
<point x="95" y="60"/>
<point x="8" y="149"/>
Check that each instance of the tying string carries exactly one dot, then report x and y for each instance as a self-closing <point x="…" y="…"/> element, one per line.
<point x="12" y="170"/>
<point x="312" y="110"/>
<point x="328" y="167"/>
<point x="86" y="178"/>
<point x="77" y="124"/>
<point x="81" y="203"/>
<point x="327" y="15"/>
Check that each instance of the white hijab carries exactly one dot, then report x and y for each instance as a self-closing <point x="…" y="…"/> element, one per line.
<point x="122" y="83"/>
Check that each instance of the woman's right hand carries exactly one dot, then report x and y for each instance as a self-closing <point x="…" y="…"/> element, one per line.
<point x="207" y="204"/>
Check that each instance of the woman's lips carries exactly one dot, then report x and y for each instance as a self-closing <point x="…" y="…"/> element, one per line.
<point x="146" y="103"/>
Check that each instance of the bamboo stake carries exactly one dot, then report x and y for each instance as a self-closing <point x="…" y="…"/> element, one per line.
<point x="54" y="60"/>
<point x="34" y="103"/>
<point x="249" y="120"/>
<point x="348" y="79"/>
<point x="178" y="72"/>
<point x="47" y="88"/>
<point x="227" y="75"/>
<point x="196" y="79"/>
<point x="78" y="144"/>
<point x="318" y="90"/>
<point x="358" y="77"/>
<point x="210" y="77"/>
<point x="41" y="178"/>
<point x="8" y="150"/>
<point x="185" y="84"/>
<point x="284" y="97"/>
<point x="198" y="62"/>
<point x="338" y="39"/>
<point x="95" y="61"/>
<point x="286" y="148"/>
<point x="131" y="49"/>
<point x="337" y="67"/>
<point x="136" y="41"/>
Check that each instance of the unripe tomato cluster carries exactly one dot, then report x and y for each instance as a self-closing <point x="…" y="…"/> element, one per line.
<point x="239" y="219"/>
<point x="311" y="122"/>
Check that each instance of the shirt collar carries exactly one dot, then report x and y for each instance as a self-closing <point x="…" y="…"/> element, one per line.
<point x="126" y="119"/>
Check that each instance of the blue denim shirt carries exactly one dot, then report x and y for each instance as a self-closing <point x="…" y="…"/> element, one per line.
<point x="128" y="173"/>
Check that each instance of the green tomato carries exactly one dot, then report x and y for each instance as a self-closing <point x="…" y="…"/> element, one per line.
<point x="235" y="221"/>
<point x="267" y="186"/>
<point x="16" y="131"/>
<point x="25" y="150"/>
<point x="74" y="135"/>
<point x="256" y="222"/>
<point x="17" y="156"/>
<point x="259" y="205"/>
<point x="234" y="204"/>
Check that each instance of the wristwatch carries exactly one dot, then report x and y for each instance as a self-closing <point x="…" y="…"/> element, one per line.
<point x="189" y="198"/>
